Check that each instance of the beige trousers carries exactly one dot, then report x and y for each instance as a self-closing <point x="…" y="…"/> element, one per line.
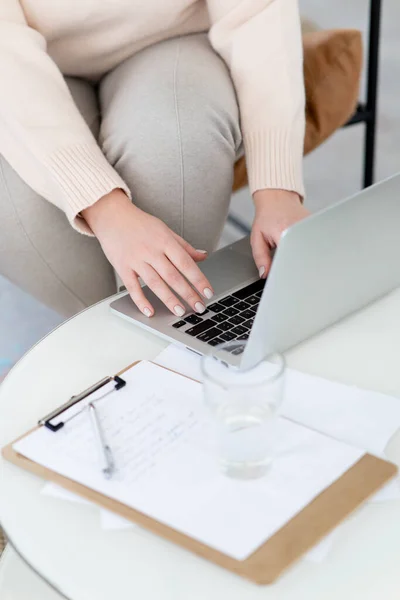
<point x="167" y="119"/>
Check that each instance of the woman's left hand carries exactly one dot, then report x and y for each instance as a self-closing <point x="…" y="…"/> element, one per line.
<point x="276" y="210"/>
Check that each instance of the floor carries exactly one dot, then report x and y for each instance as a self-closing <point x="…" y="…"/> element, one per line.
<point x="332" y="172"/>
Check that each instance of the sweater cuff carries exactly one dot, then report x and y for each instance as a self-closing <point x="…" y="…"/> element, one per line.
<point x="84" y="175"/>
<point x="274" y="160"/>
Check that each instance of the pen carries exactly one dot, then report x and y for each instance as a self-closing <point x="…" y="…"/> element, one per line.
<point x="105" y="454"/>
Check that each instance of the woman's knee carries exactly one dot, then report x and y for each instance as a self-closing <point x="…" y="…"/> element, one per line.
<point x="184" y="179"/>
<point x="175" y="139"/>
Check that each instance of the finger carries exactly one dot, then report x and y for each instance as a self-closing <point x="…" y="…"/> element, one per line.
<point x="197" y="255"/>
<point x="153" y="280"/>
<point x="178" y="283"/>
<point x="261" y="253"/>
<point x="134" y="288"/>
<point x="187" y="266"/>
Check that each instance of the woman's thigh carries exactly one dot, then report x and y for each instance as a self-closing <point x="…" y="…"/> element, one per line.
<point x="39" y="250"/>
<point x="170" y="126"/>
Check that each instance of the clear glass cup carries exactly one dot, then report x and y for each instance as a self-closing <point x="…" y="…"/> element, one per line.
<point x="243" y="405"/>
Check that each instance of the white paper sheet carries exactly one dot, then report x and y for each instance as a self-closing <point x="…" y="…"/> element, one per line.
<point x="56" y="491"/>
<point x="164" y="471"/>
<point x="391" y="491"/>
<point x="320" y="552"/>
<point x="180" y="360"/>
<point x="359" y="417"/>
<point x="109" y="521"/>
<point x="112" y="522"/>
<point x="317" y="554"/>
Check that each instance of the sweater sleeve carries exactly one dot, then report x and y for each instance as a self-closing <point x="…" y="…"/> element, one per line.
<point x="42" y="134"/>
<point x="260" y="40"/>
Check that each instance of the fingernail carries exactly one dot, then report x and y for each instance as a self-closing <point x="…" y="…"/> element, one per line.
<point x="179" y="310"/>
<point x="199" y="307"/>
<point x="147" y="312"/>
<point x="261" y="271"/>
<point x="202" y="251"/>
<point x="208" y="293"/>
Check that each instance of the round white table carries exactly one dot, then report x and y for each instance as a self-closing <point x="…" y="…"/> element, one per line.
<point x="63" y="541"/>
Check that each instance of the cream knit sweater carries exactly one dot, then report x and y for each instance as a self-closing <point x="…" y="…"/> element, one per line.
<point x="42" y="134"/>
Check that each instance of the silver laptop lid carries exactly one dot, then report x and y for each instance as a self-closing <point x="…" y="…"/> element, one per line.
<point x="328" y="266"/>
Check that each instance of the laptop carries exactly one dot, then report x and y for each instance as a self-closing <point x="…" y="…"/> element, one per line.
<point x="325" y="268"/>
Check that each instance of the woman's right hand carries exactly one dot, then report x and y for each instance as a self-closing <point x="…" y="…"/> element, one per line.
<point x="138" y="244"/>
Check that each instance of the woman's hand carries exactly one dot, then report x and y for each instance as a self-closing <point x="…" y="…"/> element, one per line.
<point x="276" y="210"/>
<point x="138" y="244"/>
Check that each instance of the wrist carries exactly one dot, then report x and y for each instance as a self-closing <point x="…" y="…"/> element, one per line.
<point x="106" y="207"/>
<point x="260" y="197"/>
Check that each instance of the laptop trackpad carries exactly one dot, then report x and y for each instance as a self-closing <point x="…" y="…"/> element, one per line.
<point x="230" y="266"/>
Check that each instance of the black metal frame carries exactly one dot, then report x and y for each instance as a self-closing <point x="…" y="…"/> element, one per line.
<point x="366" y="112"/>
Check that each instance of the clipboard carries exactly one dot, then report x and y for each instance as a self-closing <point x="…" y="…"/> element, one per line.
<point x="280" y="551"/>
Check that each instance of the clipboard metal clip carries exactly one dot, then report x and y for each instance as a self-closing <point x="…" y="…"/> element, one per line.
<point x="46" y="421"/>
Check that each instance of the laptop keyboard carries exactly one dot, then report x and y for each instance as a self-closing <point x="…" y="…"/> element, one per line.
<point x="228" y="319"/>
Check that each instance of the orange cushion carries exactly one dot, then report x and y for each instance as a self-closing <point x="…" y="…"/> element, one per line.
<point x="332" y="70"/>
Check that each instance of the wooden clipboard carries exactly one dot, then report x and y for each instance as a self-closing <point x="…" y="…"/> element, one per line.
<point x="281" y="550"/>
